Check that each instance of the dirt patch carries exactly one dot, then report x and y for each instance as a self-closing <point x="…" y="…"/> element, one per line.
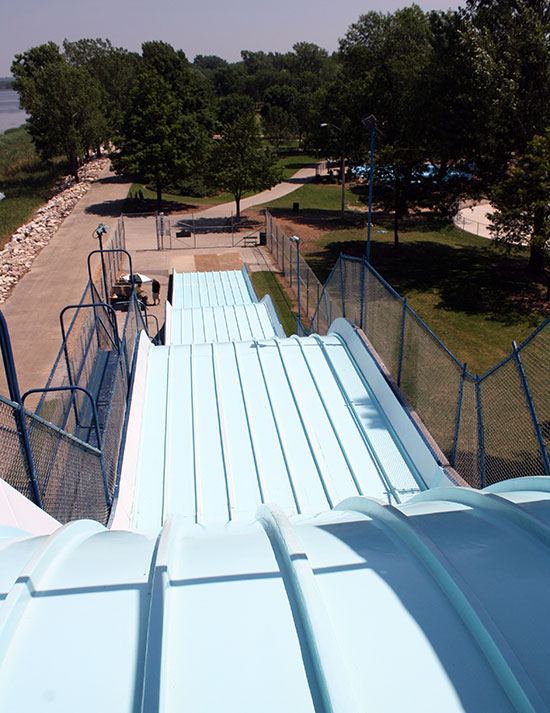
<point x="214" y="262"/>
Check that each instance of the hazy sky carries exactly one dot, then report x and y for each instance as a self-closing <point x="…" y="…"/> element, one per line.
<point x="221" y="27"/>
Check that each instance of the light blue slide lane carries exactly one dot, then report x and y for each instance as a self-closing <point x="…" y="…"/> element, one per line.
<point x="377" y="427"/>
<point x="229" y="426"/>
<point x="148" y="497"/>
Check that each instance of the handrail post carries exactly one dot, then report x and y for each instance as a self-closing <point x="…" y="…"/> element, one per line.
<point x="19" y="415"/>
<point x="531" y="407"/>
<point x="96" y="428"/>
<point x="362" y="294"/>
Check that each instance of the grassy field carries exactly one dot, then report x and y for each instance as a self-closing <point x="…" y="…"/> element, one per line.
<point x="317" y="196"/>
<point x="476" y="298"/>
<point x="473" y="296"/>
<point x="26" y="180"/>
<point x="268" y="283"/>
<point x="294" y="162"/>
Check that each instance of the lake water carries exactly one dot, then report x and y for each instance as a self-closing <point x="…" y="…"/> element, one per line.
<point x="10" y="113"/>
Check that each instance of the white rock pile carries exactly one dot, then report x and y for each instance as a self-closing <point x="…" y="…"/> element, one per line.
<point x="24" y="245"/>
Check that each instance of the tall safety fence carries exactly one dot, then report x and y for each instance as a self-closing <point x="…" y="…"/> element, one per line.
<point x="65" y="455"/>
<point x="293" y="269"/>
<point x="490" y="427"/>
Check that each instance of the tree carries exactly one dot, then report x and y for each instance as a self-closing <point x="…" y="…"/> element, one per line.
<point x="63" y="101"/>
<point x="239" y="161"/>
<point x="522" y="203"/>
<point x="158" y="143"/>
<point x="115" y="70"/>
<point x="385" y="58"/>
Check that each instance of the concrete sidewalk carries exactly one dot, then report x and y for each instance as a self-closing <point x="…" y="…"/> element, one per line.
<point x="59" y="274"/>
<point x="57" y="278"/>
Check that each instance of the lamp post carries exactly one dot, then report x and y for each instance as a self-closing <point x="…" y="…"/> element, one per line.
<point x="342" y="166"/>
<point x="98" y="233"/>
<point x="296" y="239"/>
<point x="369" y="122"/>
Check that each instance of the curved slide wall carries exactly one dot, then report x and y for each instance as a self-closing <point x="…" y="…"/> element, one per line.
<point x="439" y="604"/>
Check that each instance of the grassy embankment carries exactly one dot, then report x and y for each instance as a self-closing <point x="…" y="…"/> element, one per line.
<point x="475" y="297"/>
<point x="25" y="178"/>
<point x="265" y="283"/>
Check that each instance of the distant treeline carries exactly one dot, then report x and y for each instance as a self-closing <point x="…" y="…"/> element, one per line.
<point x="465" y="89"/>
<point x="5" y="83"/>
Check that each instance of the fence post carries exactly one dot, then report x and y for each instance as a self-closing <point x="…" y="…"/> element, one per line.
<point x="402" y="341"/>
<point x="458" y="415"/>
<point x="531" y="407"/>
<point x="290" y="266"/>
<point x="366" y="294"/>
<point x="307" y="296"/>
<point x="480" y="432"/>
<point x="342" y="286"/>
<point x="362" y="294"/>
<point x="19" y="414"/>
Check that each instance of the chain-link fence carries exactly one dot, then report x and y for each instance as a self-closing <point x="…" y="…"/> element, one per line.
<point x="293" y="269"/>
<point x="65" y="456"/>
<point x="490" y="427"/>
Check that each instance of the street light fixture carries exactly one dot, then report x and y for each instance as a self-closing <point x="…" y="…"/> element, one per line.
<point x="296" y="239"/>
<point x="342" y="166"/>
<point x="98" y="233"/>
<point x="369" y="122"/>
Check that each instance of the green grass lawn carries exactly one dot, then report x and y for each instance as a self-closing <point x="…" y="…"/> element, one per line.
<point x="266" y="282"/>
<point x="473" y="296"/>
<point x="317" y="196"/>
<point x="25" y="178"/>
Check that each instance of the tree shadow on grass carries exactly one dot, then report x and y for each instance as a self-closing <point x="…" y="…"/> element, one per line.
<point x="465" y="279"/>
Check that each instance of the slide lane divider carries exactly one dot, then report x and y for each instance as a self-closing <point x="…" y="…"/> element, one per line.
<point x="229" y="489"/>
<point x="323" y="477"/>
<point x="507" y="669"/>
<point x="250" y="432"/>
<point x="328" y="677"/>
<point x="281" y="444"/>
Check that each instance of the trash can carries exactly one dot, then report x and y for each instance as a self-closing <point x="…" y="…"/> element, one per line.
<point x="263" y="240"/>
<point x="296" y="207"/>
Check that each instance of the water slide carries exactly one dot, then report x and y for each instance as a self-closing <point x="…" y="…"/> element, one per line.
<point x="284" y="538"/>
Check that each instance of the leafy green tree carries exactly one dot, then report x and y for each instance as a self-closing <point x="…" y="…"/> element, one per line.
<point x="385" y="58"/>
<point x="523" y="203"/>
<point x="240" y="163"/>
<point x="63" y="101"/>
<point x="115" y="70"/>
<point x="516" y="35"/>
<point x="159" y="144"/>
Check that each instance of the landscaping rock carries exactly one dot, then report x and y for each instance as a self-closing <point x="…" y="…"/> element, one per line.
<point x="24" y="245"/>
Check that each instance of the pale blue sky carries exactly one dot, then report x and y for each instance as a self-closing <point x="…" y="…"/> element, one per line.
<point x="216" y="27"/>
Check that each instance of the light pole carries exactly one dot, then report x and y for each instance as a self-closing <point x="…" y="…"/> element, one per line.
<point x="369" y="122"/>
<point x="342" y="166"/>
<point x="296" y="239"/>
<point x="98" y="233"/>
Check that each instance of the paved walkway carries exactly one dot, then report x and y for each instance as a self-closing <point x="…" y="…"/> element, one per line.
<point x="474" y="219"/>
<point x="59" y="273"/>
<point x="57" y="278"/>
